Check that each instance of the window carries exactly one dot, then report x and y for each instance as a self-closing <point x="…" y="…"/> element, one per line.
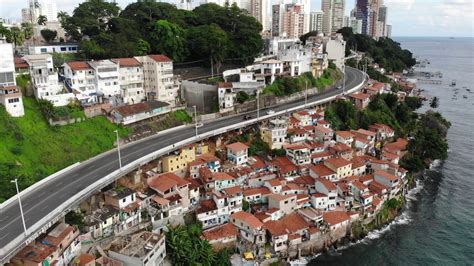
<point x="14" y="100"/>
<point x="63" y="49"/>
<point x="43" y="50"/>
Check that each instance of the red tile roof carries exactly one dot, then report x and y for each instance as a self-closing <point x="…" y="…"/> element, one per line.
<point x="222" y="176"/>
<point x="345" y="134"/>
<point x="126" y="62"/>
<point x="276" y="228"/>
<point x="335" y="217"/>
<point x="337" y="162"/>
<point x="159" y="58"/>
<point x="224" y="85"/>
<point x="340" y="148"/>
<point x="248" y="218"/>
<point x="322" y="170"/>
<point x="226" y="230"/>
<point x="328" y="184"/>
<point x="78" y="65"/>
<point x="256" y="191"/>
<point x="360" y="96"/>
<point x="294" y="222"/>
<point x="237" y="146"/>
<point x="166" y="181"/>
<point x="385" y="175"/>
<point x="231" y="191"/>
<point x="284" y="164"/>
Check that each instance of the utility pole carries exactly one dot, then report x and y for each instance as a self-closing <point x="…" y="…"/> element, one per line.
<point x="118" y="149"/>
<point x="195" y="120"/>
<point x="19" y="203"/>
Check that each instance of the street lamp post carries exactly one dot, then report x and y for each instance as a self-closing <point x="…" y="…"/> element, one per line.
<point x="195" y="120"/>
<point x="306" y="93"/>
<point x="343" y="77"/>
<point x="19" y="203"/>
<point x="118" y="149"/>
<point x="258" y="105"/>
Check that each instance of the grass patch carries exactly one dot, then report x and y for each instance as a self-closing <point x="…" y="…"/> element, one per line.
<point x="182" y="116"/>
<point x="31" y="149"/>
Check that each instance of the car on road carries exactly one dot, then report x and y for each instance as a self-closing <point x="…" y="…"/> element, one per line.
<point x="199" y="124"/>
<point x="247" y="117"/>
<point x="339" y="87"/>
<point x="270" y="112"/>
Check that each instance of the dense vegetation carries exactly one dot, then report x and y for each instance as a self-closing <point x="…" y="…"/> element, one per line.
<point x="184" y="246"/>
<point x="426" y="132"/>
<point x="385" y="51"/>
<point x="207" y="32"/>
<point x="288" y="85"/>
<point x="30" y="149"/>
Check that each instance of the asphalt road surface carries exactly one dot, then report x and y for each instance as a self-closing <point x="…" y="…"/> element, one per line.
<point x="44" y="200"/>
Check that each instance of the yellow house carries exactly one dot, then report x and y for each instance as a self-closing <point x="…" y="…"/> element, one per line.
<point x="178" y="161"/>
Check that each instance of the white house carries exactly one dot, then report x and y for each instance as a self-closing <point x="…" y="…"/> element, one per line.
<point x="131" y="80"/>
<point x="45" y="80"/>
<point x="10" y="95"/>
<point x="275" y="133"/>
<point x="237" y="153"/>
<point x="335" y="47"/>
<point x="106" y="77"/>
<point x="61" y="48"/>
<point x="225" y="96"/>
<point x="79" y="76"/>
<point x="328" y="188"/>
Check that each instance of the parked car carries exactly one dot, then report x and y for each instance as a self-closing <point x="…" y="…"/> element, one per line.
<point x="270" y="112"/>
<point x="247" y="117"/>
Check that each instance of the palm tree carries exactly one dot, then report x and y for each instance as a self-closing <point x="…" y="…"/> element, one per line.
<point x="27" y="29"/>
<point x="42" y="19"/>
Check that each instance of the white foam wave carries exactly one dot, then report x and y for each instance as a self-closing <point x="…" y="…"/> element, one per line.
<point x="435" y="164"/>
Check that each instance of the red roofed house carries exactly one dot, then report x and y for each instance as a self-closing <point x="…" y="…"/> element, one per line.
<point x="392" y="182"/>
<point x="256" y="195"/>
<point x="172" y="188"/>
<point x="80" y="76"/>
<point x="341" y="150"/>
<point x="237" y="153"/>
<point x="251" y="228"/>
<point x="221" y="236"/>
<point x="322" y="171"/>
<point x="303" y="117"/>
<point x="278" y="235"/>
<point x="345" y="137"/>
<point x="328" y="188"/>
<point x="160" y="84"/>
<point x="131" y="80"/>
<point x="284" y="203"/>
<point x="360" y="100"/>
<point x="323" y="133"/>
<point x="341" y="166"/>
<point x="336" y="219"/>
<point x="284" y="166"/>
<point x="383" y="131"/>
<point x="298" y="153"/>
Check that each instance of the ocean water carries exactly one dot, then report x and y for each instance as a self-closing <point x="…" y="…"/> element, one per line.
<point x="437" y="225"/>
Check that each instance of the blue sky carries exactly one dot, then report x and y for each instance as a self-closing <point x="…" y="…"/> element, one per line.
<point x="408" y="17"/>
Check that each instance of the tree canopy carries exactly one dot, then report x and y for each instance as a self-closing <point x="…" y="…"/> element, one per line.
<point x="209" y="32"/>
<point x="48" y="35"/>
<point x="385" y="51"/>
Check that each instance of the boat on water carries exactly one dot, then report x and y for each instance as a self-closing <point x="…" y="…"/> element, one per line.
<point x="453" y="83"/>
<point x="464" y="96"/>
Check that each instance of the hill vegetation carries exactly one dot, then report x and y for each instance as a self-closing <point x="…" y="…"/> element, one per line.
<point x="207" y="32"/>
<point x="385" y="52"/>
<point x="31" y="149"/>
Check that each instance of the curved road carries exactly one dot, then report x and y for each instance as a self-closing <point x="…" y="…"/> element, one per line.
<point x="44" y="200"/>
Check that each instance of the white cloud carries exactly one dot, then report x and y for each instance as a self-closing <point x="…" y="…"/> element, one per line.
<point x="400" y="4"/>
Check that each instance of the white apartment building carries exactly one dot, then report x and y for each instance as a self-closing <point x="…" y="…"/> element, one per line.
<point x="159" y="82"/>
<point x="226" y="96"/>
<point x="45" y="80"/>
<point x="79" y="76"/>
<point x="316" y="21"/>
<point x="62" y="48"/>
<point x="296" y="59"/>
<point x="106" y="77"/>
<point x="10" y="95"/>
<point x="335" y="47"/>
<point x="131" y="80"/>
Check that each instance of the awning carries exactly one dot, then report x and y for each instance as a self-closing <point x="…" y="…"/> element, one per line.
<point x="248" y="255"/>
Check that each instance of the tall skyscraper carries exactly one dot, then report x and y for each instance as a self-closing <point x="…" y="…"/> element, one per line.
<point x="333" y="18"/>
<point x="294" y="21"/>
<point x="363" y="13"/>
<point x="338" y="7"/>
<point x="374" y="18"/>
<point x="260" y="9"/>
<point x="327" y="17"/>
<point x="316" y="21"/>
<point x="383" y="20"/>
<point x="388" y="31"/>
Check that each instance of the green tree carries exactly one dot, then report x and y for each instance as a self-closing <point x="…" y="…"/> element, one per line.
<point x="16" y="36"/>
<point x="27" y="29"/>
<point x="169" y="39"/>
<point x="48" y="35"/>
<point x="242" y="97"/>
<point x="209" y="41"/>
<point x="143" y="47"/>
<point x="92" y="17"/>
<point x="42" y="19"/>
<point x="90" y="49"/>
